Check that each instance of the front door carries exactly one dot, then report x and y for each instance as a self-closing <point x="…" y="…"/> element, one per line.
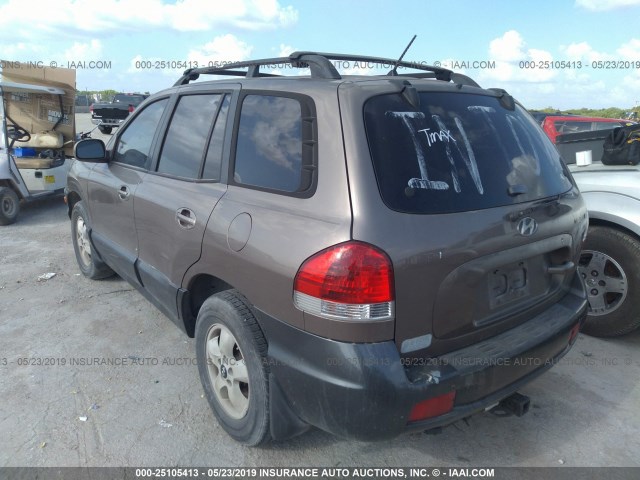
<point x="112" y="187"/>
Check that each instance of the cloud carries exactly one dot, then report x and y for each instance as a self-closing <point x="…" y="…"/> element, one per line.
<point x="71" y="18"/>
<point x="520" y="69"/>
<point x="224" y="48"/>
<point x="286" y="50"/>
<point x="630" y="50"/>
<point x="508" y="48"/>
<point x="84" y="51"/>
<point x="515" y="62"/>
<point x="602" y="5"/>
<point x="21" y="51"/>
<point x="583" y="52"/>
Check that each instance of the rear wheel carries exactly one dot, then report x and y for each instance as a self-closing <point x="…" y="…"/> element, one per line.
<point x="231" y="352"/>
<point x="89" y="264"/>
<point x="610" y="268"/>
<point x="9" y="206"/>
<point x="104" y="129"/>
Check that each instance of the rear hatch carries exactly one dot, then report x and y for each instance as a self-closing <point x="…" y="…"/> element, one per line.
<point x="478" y="214"/>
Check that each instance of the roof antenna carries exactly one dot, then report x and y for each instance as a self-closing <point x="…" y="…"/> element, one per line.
<point x="393" y="70"/>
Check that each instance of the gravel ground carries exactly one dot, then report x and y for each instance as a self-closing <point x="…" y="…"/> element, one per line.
<point x="66" y="408"/>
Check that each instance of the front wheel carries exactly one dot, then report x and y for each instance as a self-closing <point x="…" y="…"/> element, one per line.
<point x="610" y="268"/>
<point x="231" y="353"/>
<point x="89" y="264"/>
<point x="9" y="206"/>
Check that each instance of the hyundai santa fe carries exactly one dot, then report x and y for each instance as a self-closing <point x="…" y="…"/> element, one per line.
<point x="369" y="255"/>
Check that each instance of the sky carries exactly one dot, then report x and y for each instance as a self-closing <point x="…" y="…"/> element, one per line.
<point x="562" y="54"/>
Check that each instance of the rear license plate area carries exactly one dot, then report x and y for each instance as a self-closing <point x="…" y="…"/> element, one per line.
<point x="508" y="283"/>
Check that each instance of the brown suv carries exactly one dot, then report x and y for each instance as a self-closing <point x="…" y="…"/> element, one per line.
<point x="369" y="255"/>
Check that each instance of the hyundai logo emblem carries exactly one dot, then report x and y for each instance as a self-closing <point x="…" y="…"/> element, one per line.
<point x="527" y="226"/>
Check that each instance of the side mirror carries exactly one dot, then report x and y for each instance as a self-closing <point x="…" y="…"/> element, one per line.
<point x="90" y="150"/>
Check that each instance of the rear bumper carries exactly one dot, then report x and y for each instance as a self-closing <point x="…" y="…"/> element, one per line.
<point x="365" y="391"/>
<point x="107" y="122"/>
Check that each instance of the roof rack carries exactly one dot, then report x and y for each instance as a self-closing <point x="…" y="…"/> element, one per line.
<point x="321" y="67"/>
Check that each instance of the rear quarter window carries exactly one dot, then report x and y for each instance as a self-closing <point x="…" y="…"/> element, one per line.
<point x="276" y="144"/>
<point x="459" y="152"/>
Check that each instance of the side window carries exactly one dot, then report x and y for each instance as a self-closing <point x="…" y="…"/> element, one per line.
<point x="187" y="135"/>
<point x="568" y="126"/>
<point x="134" y="144"/>
<point x="605" y="125"/>
<point x="214" y="153"/>
<point x="269" y="149"/>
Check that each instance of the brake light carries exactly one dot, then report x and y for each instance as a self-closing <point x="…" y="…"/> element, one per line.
<point x="131" y="108"/>
<point x="349" y="281"/>
<point x="432" y="407"/>
<point x="91" y="108"/>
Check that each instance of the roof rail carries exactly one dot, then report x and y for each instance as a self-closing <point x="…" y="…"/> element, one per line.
<point x="321" y="66"/>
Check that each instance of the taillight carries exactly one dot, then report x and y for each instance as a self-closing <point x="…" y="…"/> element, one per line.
<point x="131" y="108"/>
<point x="91" y="108"/>
<point x="349" y="281"/>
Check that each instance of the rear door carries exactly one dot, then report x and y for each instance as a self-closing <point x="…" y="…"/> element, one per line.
<point x="112" y="186"/>
<point x="478" y="214"/>
<point x="174" y="202"/>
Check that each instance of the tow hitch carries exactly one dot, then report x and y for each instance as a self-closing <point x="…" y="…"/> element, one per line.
<point x="515" y="404"/>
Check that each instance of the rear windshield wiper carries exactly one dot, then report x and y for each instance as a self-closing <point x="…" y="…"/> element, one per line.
<point x="517" y="189"/>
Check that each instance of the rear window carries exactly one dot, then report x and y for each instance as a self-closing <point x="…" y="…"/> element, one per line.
<point x="134" y="100"/>
<point x="459" y="152"/>
<point x="574" y="126"/>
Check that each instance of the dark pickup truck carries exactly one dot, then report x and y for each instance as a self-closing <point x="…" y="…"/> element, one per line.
<point x="110" y="115"/>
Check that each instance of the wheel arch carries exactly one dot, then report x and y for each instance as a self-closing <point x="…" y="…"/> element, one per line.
<point x="614" y="210"/>
<point x="73" y="197"/>
<point x="200" y="287"/>
<point x="599" y="222"/>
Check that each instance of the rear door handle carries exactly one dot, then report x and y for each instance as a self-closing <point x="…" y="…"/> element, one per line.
<point x="560" y="269"/>
<point x="123" y="193"/>
<point x="186" y="218"/>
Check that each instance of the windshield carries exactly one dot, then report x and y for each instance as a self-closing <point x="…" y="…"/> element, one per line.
<point x="459" y="152"/>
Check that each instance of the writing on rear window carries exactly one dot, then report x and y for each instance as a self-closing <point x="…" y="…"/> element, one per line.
<point x="441" y="135"/>
<point x="433" y="137"/>
<point x="458" y="153"/>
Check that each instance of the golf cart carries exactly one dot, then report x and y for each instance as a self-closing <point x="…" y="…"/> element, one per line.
<point x="36" y="133"/>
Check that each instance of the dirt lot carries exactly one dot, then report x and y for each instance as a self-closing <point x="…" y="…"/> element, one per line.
<point x="64" y="407"/>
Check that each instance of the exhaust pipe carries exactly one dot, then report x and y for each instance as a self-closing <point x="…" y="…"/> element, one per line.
<point x="515" y="404"/>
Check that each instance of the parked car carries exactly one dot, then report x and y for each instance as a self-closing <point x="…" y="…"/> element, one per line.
<point x="610" y="262"/>
<point x="368" y="255"/>
<point x="540" y="116"/>
<point x="554" y="125"/>
<point x="111" y="115"/>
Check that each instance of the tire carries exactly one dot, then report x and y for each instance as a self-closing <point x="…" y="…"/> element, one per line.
<point x="9" y="206"/>
<point x="89" y="264"/>
<point x="229" y="338"/>
<point x="610" y="267"/>
<point x="105" y="130"/>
